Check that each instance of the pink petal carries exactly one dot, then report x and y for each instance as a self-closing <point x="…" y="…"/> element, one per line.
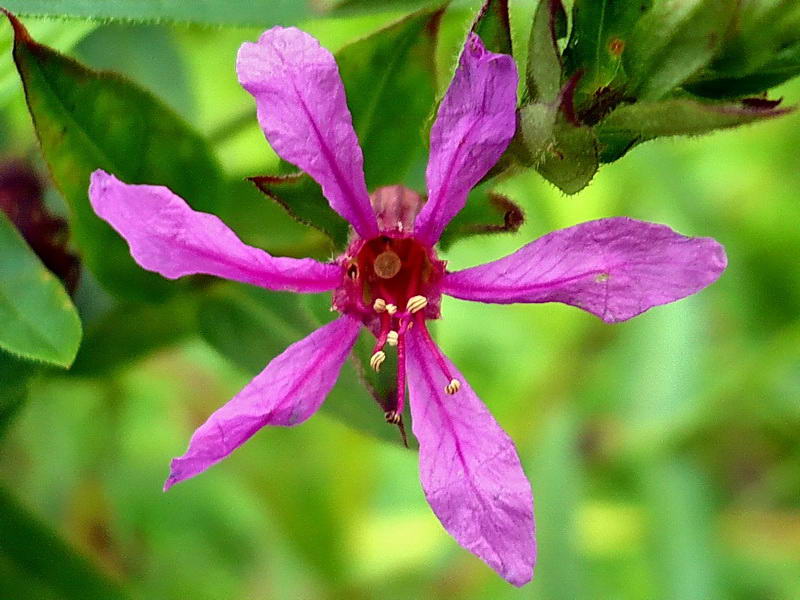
<point x="287" y="392"/>
<point x="469" y="469"/>
<point x="166" y="236"/>
<point x="303" y="111"/>
<point x="475" y="122"/>
<point x="614" y="268"/>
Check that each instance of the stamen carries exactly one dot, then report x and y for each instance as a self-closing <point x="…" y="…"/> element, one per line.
<point x="391" y="309"/>
<point x="379" y="305"/>
<point x="452" y="387"/>
<point x="383" y="335"/>
<point x="392" y="416"/>
<point x="391" y="338"/>
<point x="377" y="360"/>
<point x="416" y="304"/>
<point x="395" y="418"/>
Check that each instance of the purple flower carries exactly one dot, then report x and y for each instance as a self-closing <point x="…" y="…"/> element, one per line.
<point x="391" y="280"/>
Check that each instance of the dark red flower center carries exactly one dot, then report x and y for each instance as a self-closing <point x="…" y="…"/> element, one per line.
<point x="393" y="283"/>
<point x="395" y="270"/>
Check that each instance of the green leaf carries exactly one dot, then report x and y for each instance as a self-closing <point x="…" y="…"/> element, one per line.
<point x="600" y="33"/>
<point x="535" y="132"/>
<point x="14" y="376"/>
<point x="396" y="65"/>
<point x="572" y="160"/>
<point x="712" y="84"/>
<point x="265" y="224"/>
<point x="635" y="123"/>
<point x="485" y="212"/>
<point x="672" y="42"/>
<point x="251" y="326"/>
<point x="543" y="73"/>
<point x="493" y="26"/>
<point x="206" y="12"/>
<point x="35" y="549"/>
<point x="563" y="153"/>
<point x="761" y="51"/>
<point x="302" y="198"/>
<point x="762" y="30"/>
<point x="61" y="35"/>
<point x="129" y="331"/>
<point x="87" y="120"/>
<point x="782" y="66"/>
<point x="148" y="54"/>
<point x="37" y="318"/>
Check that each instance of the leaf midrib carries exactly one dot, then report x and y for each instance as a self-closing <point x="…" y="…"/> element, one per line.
<point x="78" y="126"/>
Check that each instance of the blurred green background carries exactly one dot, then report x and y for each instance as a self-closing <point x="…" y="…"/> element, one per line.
<point x="663" y="452"/>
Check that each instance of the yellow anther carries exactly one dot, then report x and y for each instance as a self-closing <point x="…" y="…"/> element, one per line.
<point x="416" y="303"/>
<point x="391" y="338"/>
<point x="391" y="309"/>
<point x="453" y="386"/>
<point x="377" y="360"/>
<point x="392" y="417"/>
<point x="379" y="305"/>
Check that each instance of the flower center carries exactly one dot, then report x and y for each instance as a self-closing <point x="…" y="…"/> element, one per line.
<point x="394" y="270"/>
<point x="393" y="283"/>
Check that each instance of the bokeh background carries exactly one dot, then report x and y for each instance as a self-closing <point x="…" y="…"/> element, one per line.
<point x="663" y="452"/>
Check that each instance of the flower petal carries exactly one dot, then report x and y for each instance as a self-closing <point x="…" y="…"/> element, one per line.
<point x="303" y="111"/>
<point x="475" y="122"/>
<point x="166" y="236"/>
<point x="469" y="469"/>
<point x="287" y="392"/>
<point x="614" y="268"/>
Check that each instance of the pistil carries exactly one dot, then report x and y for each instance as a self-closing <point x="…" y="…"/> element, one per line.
<point x="395" y="415"/>
<point x="401" y="369"/>
<point x="378" y="355"/>
<point x="453" y="384"/>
